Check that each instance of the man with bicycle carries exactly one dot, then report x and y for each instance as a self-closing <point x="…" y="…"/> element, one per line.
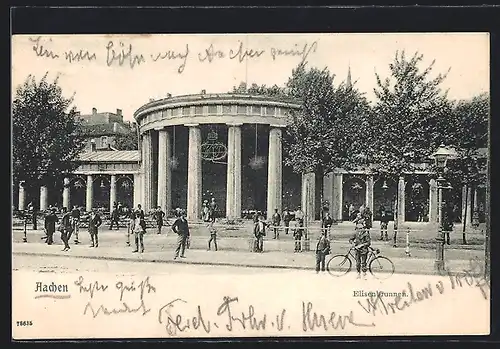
<point x="362" y="242"/>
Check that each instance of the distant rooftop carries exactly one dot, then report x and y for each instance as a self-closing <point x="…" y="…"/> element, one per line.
<point x="110" y="156"/>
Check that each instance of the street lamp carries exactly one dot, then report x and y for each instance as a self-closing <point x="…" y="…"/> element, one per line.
<point x="441" y="157"/>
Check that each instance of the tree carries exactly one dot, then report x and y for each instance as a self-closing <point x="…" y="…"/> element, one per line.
<point x="409" y="117"/>
<point x="129" y="140"/>
<point x="467" y="132"/>
<point x="47" y="137"/>
<point x="328" y="131"/>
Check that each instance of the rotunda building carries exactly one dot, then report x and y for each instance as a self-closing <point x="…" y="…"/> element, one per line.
<point x="226" y="147"/>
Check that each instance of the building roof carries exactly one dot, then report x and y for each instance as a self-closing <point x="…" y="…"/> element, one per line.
<point x="110" y="156"/>
<point x="105" y="129"/>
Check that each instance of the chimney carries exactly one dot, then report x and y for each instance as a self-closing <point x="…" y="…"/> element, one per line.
<point x="203" y="92"/>
<point x="94" y="111"/>
<point x="169" y="95"/>
<point x="119" y="112"/>
<point x="92" y="145"/>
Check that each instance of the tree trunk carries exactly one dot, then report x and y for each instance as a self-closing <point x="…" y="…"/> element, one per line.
<point x="464" y="218"/>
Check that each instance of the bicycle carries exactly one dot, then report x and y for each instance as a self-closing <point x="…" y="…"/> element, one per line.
<point x="379" y="266"/>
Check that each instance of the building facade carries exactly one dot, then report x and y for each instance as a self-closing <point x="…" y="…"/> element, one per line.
<point x="228" y="147"/>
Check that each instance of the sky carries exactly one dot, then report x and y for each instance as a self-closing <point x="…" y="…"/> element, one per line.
<point x="126" y="71"/>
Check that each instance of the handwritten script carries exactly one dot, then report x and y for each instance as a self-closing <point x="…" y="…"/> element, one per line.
<point x="471" y="277"/>
<point x="120" y="53"/>
<point x="124" y="293"/>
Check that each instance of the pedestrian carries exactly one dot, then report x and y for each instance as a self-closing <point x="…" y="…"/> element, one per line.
<point x="287" y="217"/>
<point x="351" y="212"/>
<point x="299" y="216"/>
<point x="322" y="250"/>
<point x="50" y="225"/>
<point x="115" y="217"/>
<point x="181" y="228"/>
<point x="448" y="222"/>
<point x="66" y="229"/>
<point x="326" y="224"/>
<point x="130" y="225"/>
<point x="367" y="217"/>
<point x="297" y="234"/>
<point x="362" y="241"/>
<point x="158" y="216"/>
<point x="384" y="221"/>
<point x="213" y="208"/>
<point x="139" y="229"/>
<point x="276" y="219"/>
<point x="259" y="233"/>
<point x="75" y="215"/>
<point x="206" y="211"/>
<point x="95" y="222"/>
<point x="213" y="233"/>
<point x="140" y="211"/>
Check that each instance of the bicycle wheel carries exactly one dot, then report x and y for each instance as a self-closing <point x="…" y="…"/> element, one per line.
<point x="381" y="267"/>
<point x="339" y="265"/>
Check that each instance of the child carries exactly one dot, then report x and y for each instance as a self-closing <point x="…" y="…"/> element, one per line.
<point x="213" y="234"/>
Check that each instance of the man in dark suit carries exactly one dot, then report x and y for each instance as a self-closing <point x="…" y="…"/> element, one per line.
<point x="75" y="215"/>
<point x="322" y="250"/>
<point x="50" y="225"/>
<point x="181" y="228"/>
<point x="115" y="215"/>
<point x="158" y="217"/>
<point x="94" y="223"/>
<point x="326" y="224"/>
<point x="276" y="219"/>
<point x="259" y="233"/>
<point x="287" y="217"/>
<point x="66" y="229"/>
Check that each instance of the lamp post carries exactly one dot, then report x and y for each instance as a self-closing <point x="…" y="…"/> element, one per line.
<point x="441" y="157"/>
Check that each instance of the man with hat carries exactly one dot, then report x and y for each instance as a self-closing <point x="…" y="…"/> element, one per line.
<point x="322" y="250"/>
<point x="50" y="225"/>
<point x="139" y="228"/>
<point x="95" y="222"/>
<point x="181" y="228"/>
<point x="75" y="215"/>
<point x="66" y="228"/>
<point x="287" y="217"/>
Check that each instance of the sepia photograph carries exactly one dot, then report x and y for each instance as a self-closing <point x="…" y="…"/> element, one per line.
<point x="250" y="185"/>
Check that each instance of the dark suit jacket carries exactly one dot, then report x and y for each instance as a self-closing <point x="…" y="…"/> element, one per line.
<point x="94" y="223"/>
<point x="181" y="227"/>
<point x="50" y="223"/>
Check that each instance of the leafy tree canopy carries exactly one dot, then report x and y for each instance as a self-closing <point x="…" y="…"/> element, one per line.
<point x="47" y="137"/>
<point x="410" y="117"/>
<point x="127" y="141"/>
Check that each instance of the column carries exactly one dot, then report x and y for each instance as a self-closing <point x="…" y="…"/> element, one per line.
<point x="328" y="192"/>
<point x="369" y="192"/>
<point x="137" y="189"/>
<point x="22" y="196"/>
<point x="401" y="200"/>
<point x="147" y="163"/>
<point x="475" y="203"/>
<point x="164" y="171"/>
<point x="338" y="205"/>
<point x="308" y="195"/>
<point x="274" y="172"/>
<point x="233" y="188"/>
<point x="194" y="173"/>
<point x="433" y="201"/>
<point x="468" y="222"/>
<point x="112" y="192"/>
<point x="43" y="198"/>
<point x="67" y="192"/>
<point x="90" y="193"/>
